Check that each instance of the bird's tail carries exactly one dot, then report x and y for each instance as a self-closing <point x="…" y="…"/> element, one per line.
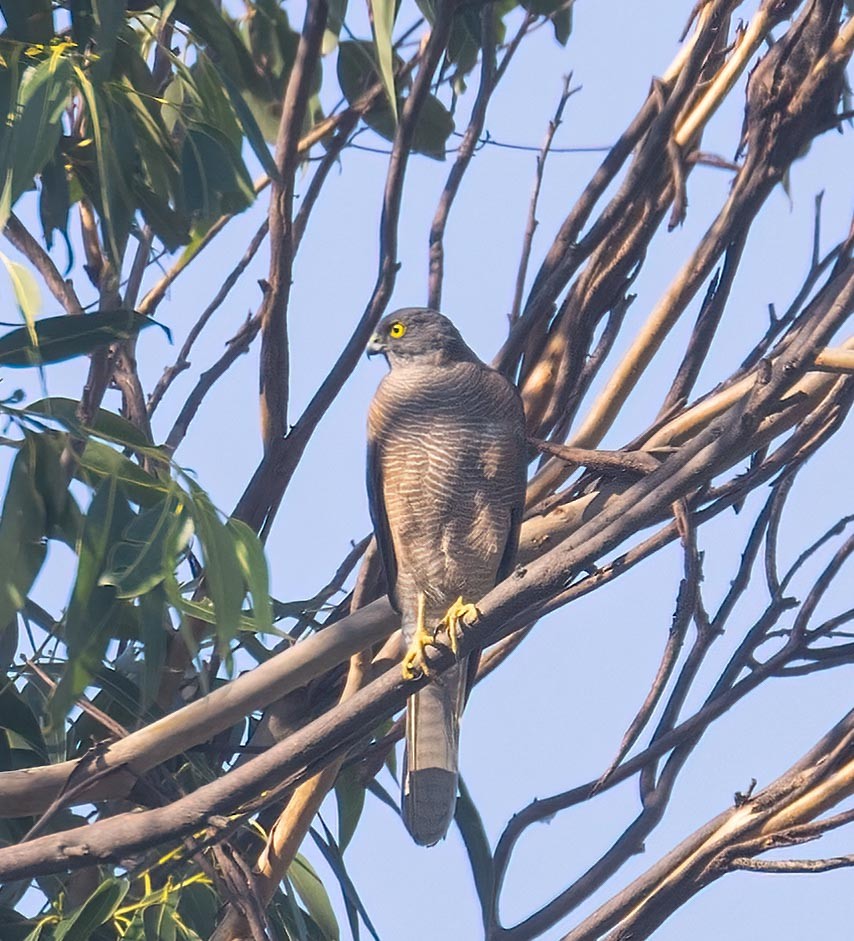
<point x="429" y="792"/>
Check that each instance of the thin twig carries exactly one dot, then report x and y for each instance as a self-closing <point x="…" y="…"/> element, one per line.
<point x="532" y="223"/>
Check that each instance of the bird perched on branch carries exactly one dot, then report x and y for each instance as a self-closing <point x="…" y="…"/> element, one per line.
<point x="446" y="486"/>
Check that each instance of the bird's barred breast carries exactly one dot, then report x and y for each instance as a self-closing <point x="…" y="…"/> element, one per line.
<point x="450" y="445"/>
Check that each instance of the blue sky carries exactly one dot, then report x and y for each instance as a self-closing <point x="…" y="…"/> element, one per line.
<point x="553" y="716"/>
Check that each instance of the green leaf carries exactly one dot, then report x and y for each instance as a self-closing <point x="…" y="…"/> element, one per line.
<point x="562" y="25"/>
<point x="213" y="105"/>
<point x="107" y="425"/>
<point x="357" y="70"/>
<point x="253" y="566"/>
<point x="60" y="338"/>
<point x="433" y="129"/>
<point x="334" y="22"/>
<point x="112" y="164"/>
<point x="477" y="845"/>
<point x="101" y="462"/>
<point x="250" y="127"/>
<point x="16" y="716"/>
<point x="350" y="796"/>
<point x="148" y="548"/>
<point x="109" y="16"/>
<point x="216" y="180"/>
<point x="62" y="515"/>
<point x="332" y="855"/>
<point x="159" y="920"/>
<point x="23" y="527"/>
<point x="153" y="623"/>
<point x="209" y="25"/>
<point x="314" y="896"/>
<point x="198" y="906"/>
<point x="55" y="204"/>
<point x="36" y="129"/>
<point x="223" y="580"/>
<point x="558" y="11"/>
<point x="382" y="23"/>
<point x="26" y="294"/>
<point x="88" y="620"/>
<point x="96" y="910"/>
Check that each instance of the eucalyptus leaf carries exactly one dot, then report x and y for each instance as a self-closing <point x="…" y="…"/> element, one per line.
<point x="223" y="580"/>
<point x="253" y="566"/>
<point x="88" y="617"/>
<point x="314" y="896"/>
<point x="147" y="550"/>
<point x="382" y="22"/>
<point x="61" y="338"/>
<point x="31" y="141"/>
<point x="350" y="796"/>
<point x="27" y="294"/>
<point x="23" y="527"/>
<point x="100" y="462"/>
<point x="97" y="909"/>
<point x="106" y="424"/>
<point x="476" y="842"/>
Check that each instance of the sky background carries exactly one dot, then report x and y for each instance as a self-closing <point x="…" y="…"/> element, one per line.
<point x="553" y="716"/>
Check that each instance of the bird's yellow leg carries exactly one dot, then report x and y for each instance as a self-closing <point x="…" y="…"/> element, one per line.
<point x="458" y="615"/>
<point x="414" y="661"/>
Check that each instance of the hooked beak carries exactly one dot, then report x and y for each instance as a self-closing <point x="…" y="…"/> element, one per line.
<point x="375" y="345"/>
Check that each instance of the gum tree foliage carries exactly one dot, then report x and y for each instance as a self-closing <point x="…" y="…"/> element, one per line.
<point x="141" y="795"/>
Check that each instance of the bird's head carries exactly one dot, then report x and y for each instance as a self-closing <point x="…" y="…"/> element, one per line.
<point x="418" y="335"/>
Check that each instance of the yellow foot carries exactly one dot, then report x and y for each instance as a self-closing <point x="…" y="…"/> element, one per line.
<point x="414" y="662"/>
<point x="459" y="615"/>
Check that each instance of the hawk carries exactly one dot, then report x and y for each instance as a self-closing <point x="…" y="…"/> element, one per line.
<point x="446" y="486"/>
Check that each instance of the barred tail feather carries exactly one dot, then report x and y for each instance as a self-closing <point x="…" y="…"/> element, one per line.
<point x="429" y="792"/>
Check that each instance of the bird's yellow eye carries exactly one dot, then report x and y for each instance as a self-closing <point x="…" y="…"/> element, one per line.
<point x="396" y="330"/>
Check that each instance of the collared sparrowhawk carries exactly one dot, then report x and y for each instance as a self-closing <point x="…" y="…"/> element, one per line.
<point x="446" y="487"/>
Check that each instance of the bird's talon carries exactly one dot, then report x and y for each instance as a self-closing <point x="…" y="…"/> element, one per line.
<point x="459" y="616"/>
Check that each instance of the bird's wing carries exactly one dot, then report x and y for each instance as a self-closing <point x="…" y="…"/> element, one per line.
<point x="379" y="517"/>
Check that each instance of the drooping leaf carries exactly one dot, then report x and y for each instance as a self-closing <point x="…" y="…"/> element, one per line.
<point x="159" y="919"/>
<point x="31" y="141"/>
<point x="334" y="22"/>
<point x="382" y="22"/>
<point x="109" y="17"/>
<point x="17" y="717"/>
<point x="99" y="462"/>
<point x="62" y="514"/>
<point x="476" y="842"/>
<point x="253" y="566"/>
<point x="314" y="896"/>
<point x="106" y="424"/>
<point x="357" y="71"/>
<point x="23" y="527"/>
<point x="198" y="908"/>
<point x="115" y="157"/>
<point x="216" y="180"/>
<point x="350" y="796"/>
<point x="210" y="26"/>
<point x="147" y="550"/>
<point x="558" y="11"/>
<point x="60" y="338"/>
<point x="94" y="912"/>
<point x="332" y="855"/>
<point x="27" y="294"/>
<point x="222" y="566"/>
<point x="253" y="132"/>
<point x="55" y="204"/>
<point x="87" y="619"/>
